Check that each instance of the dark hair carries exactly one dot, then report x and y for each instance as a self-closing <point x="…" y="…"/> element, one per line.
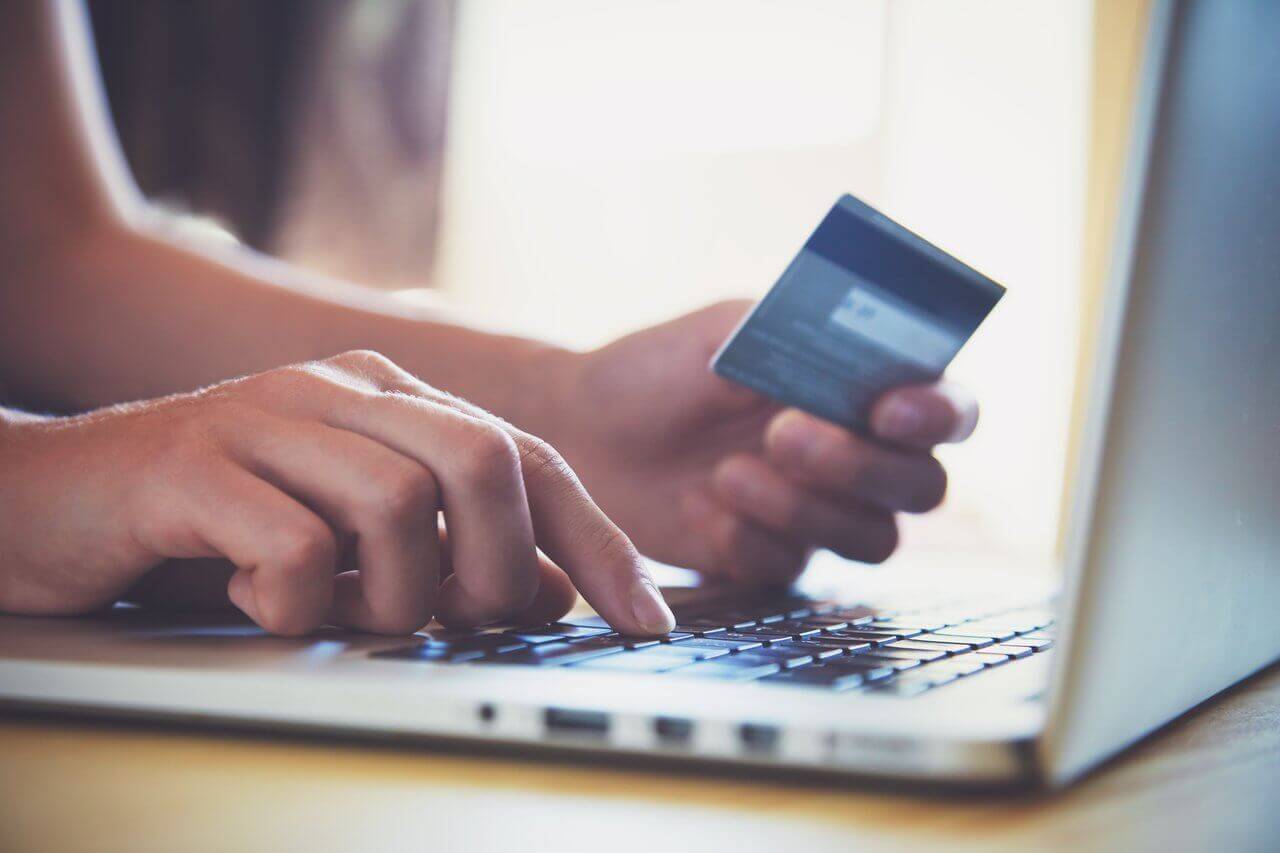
<point x="200" y="92"/>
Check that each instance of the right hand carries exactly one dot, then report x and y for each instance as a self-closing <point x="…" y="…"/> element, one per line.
<point x="310" y="495"/>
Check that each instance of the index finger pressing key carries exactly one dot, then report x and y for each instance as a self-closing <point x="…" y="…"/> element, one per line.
<point x="576" y="533"/>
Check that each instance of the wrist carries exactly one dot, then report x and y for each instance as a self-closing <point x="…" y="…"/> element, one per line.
<point x="545" y="386"/>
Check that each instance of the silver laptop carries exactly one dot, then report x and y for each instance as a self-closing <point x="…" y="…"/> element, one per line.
<point x="1173" y="574"/>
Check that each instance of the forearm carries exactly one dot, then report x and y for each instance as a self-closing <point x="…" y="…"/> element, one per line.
<point x="126" y="313"/>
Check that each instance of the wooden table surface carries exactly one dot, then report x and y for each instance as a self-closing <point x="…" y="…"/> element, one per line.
<point x="1210" y="781"/>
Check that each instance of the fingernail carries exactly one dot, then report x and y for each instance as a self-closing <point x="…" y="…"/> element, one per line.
<point x="900" y="417"/>
<point x="792" y="435"/>
<point x="650" y="610"/>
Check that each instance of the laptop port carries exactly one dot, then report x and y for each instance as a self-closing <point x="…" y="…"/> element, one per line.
<point x="574" y="722"/>
<point x="673" y="731"/>
<point x="758" y="738"/>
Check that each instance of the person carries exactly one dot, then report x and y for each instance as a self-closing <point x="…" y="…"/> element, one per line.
<point x="196" y="424"/>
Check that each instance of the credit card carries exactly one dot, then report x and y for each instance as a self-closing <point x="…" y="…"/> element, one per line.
<point x="866" y="306"/>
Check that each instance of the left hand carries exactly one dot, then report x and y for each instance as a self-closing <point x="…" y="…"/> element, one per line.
<point x="705" y="474"/>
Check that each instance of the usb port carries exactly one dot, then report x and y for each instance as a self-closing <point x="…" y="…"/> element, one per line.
<point x="676" y="731"/>
<point x="758" y="738"/>
<point x="569" y="721"/>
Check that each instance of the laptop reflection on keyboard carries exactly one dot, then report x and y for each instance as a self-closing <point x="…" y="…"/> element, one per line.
<point x="777" y="640"/>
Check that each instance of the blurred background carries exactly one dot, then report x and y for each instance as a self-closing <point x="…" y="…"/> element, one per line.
<point x="576" y="169"/>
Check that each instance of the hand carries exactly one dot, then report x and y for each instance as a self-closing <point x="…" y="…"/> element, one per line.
<point x="309" y="495"/>
<point x="705" y="474"/>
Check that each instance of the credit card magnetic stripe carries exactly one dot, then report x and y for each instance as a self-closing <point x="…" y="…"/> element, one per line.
<point x="866" y="305"/>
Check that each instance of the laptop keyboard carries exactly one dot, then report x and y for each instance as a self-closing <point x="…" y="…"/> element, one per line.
<point x="778" y="640"/>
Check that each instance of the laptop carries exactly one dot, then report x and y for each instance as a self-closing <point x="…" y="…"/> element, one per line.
<point x="1171" y="580"/>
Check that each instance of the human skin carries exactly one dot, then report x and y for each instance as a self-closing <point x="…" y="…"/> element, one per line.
<point x="101" y="305"/>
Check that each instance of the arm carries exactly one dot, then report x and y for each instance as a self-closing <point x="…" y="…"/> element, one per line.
<point x="100" y="305"/>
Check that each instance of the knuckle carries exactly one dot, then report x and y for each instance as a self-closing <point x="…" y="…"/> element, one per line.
<point x="303" y="548"/>
<point x="539" y="459"/>
<point x="406" y="493"/>
<point x="291" y="380"/>
<point x="491" y="458"/>
<point x="366" y="361"/>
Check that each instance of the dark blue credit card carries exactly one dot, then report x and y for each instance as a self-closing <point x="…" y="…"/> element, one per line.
<point x="866" y="306"/>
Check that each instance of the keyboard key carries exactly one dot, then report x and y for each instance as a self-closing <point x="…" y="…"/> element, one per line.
<point x="699" y="630"/>
<point x="898" y="664"/>
<point x="939" y="645"/>
<point x="591" y="621"/>
<point x="923" y="651"/>
<point x="818" y="650"/>
<point x="762" y="638"/>
<point x="422" y="652"/>
<point x="875" y="638"/>
<point x="846" y="645"/>
<point x="727" y="624"/>
<point x="958" y="639"/>
<point x="930" y="676"/>
<point x="1010" y="650"/>
<point x="728" y="669"/>
<point x="913" y="683"/>
<point x="638" y="642"/>
<point x="557" y="630"/>
<point x="857" y="615"/>
<point x="901" y="629"/>
<point x="784" y="656"/>
<point x="1027" y="641"/>
<point x="471" y="641"/>
<point x="823" y="623"/>
<point x="998" y="628"/>
<point x="816" y="676"/>
<point x="744" y="615"/>
<point x="902" y="687"/>
<point x="871" y="670"/>
<point x="989" y="658"/>
<point x="961" y="666"/>
<point x="684" y="650"/>
<point x="557" y="654"/>
<point x="638" y="662"/>
<point x="717" y="643"/>
<point x="795" y="630"/>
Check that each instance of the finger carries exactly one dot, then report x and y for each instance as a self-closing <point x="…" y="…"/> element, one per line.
<point x="738" y="549"/>
<point x="477" y="467"/>
<point x="556" y="596"/>
<point x="597" y="556"/>
<point x="385" y="502"/>
<point x="556" y="593"/>
<point x="284" y="553"/>
<point x="848" y="468"/>
<point x="750" y="486"/>
<point x="924" y="415"/>
<point x="571" y="529"/>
